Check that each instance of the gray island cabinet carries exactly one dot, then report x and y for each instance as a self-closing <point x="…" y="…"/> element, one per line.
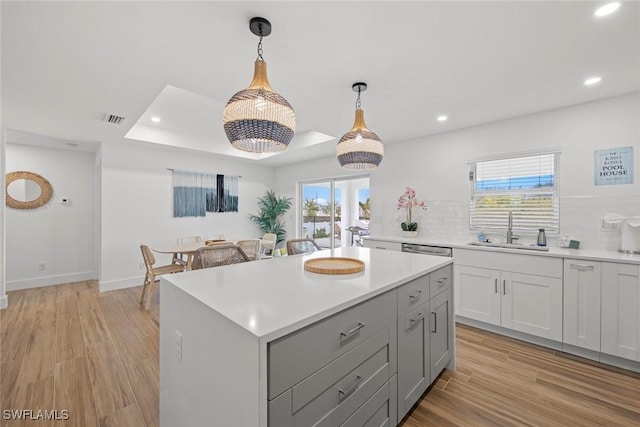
<point x="267" y="343"/>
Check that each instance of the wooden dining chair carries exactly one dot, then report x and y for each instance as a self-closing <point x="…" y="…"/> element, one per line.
<point x="152" y="272"/>
<point x="301" y="246"/>
<point x="214" y="238"/>
<point x="181" y="259"/>
<point x="218" y="255"/>
<point x="250" y="247"/>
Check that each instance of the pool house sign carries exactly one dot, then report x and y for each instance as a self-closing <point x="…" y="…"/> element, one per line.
<point x="613" y="166"/>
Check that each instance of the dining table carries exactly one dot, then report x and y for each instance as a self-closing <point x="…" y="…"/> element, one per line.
<point x="189" y="249"/>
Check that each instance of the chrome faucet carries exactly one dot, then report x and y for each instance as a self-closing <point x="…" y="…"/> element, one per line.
<point x="510" y="236"/>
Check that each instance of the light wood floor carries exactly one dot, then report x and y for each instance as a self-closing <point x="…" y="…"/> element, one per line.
<point x="70" y="347"/>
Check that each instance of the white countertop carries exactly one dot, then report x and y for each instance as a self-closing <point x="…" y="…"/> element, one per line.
<point x="273" y="297"/>
<point x="586" y="254"/>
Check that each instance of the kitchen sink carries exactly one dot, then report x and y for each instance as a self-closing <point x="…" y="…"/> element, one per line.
<point x="510" y="246"/>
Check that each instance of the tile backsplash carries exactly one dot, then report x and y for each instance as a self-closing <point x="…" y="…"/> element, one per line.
<point x="448" y="220"/>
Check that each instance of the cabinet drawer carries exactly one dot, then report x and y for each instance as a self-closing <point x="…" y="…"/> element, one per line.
<point x="538" y="265"/>
<point x="412" y="294"/>
<point x="379" y="410"/>
<point x="440" y="280"/>
<point x="299" y="354"/>
<point x="382" y="244"/>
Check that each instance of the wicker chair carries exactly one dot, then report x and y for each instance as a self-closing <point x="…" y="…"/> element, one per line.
<point x="179" y="258"/>
<point x="152" y="272"/>
<point x="218" y="255"/>
<point x="250" y="247"/>
<point x="301" y="246"/>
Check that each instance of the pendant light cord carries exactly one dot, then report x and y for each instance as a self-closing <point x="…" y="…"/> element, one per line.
<point x="260" y="49"/>
<point x="358" y="99"/>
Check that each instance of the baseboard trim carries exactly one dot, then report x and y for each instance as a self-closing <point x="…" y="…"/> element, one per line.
<point x="4" y="302"/>
<point x="114" y="285"/>
<point x="38" y="282"/>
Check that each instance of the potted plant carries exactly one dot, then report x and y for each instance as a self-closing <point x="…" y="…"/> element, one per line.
<point x="408" y="201"/>
<point x="270" y="209"/>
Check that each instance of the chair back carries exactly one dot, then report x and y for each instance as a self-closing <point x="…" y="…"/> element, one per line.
<point x="250" y="247"/>
<point x="214" y="238"/>
<point x="189" y="239"/>
<point x="148" y="257"/>
<point x="218" y="255"/>
<point x="268" y="245"/>
<point x="301" y="246"/>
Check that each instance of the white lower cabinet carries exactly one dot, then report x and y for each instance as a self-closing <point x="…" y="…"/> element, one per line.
<point x="414" y="364"/>
<point x="519" y="292"/>
<point x="582" y="303"/>
<point x="621" y="310"/>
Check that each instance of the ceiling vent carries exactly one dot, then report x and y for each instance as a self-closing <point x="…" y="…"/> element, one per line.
<point x="112" y="118"/>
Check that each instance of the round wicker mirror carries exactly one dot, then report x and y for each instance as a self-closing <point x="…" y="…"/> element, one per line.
<point x="46" y="190"/>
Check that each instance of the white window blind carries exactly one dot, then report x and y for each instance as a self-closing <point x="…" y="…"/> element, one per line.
<point x="526" y="186"/>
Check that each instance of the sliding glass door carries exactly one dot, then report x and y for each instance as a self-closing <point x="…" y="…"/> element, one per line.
<point x="335" y="212"/>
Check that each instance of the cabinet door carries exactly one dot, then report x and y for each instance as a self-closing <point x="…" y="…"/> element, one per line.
<point x="382" y="244"/>
<point x="441" y="329"/>
<point x="581" y="314"/>
<point x="413" y="358"/>
<point x="477" y="293"/>
<point x="621" y="310"/>
<point x="532" y="304"/>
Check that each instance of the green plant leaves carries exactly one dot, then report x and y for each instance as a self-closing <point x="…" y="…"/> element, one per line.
<point x="270" y="208"/>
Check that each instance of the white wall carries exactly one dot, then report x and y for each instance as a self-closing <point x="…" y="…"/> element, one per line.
<point x="3" y="270"/>
<point x="436" y="167"/>
<point x="61" y="236"/>
<point x="137" y="205"/>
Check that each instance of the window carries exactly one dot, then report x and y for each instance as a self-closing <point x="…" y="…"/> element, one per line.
<point x="526" y="186"/>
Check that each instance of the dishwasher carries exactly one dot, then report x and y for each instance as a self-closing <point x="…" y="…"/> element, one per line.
<point x="427" y="250"/>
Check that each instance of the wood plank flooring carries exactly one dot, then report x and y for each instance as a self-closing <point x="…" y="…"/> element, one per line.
<point x="96" y="355"/>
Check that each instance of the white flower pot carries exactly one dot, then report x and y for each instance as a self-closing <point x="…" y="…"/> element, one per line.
<point x="409" y="233"/>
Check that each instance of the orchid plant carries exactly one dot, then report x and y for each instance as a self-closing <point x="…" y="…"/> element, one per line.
<point x="408" y="201"/>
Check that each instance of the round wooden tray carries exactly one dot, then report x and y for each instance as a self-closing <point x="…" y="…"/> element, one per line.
<point x="334" y="265"/>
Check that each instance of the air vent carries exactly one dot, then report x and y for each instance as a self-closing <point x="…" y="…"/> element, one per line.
<point x="112" y="118"/>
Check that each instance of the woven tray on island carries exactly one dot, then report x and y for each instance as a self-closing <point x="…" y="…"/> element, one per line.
<point x="334" y="265"/>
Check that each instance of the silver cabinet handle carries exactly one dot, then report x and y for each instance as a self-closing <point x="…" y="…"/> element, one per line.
<point x="435" y="323"/>
<point x="504" y="287"/>
<point x="496" y="286"/>
<point x="418" y="318"/>
<point x="352" y="331"/>
<point x="380" y="247"/>
<point x="415" y="295"/>
<point x="581" y="267"/>
<point x="342" y="394"/>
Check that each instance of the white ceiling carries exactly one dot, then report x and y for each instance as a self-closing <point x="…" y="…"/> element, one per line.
<point x="66" y="64"/>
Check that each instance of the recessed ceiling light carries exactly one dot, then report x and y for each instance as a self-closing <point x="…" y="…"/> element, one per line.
<point x="592" y="81"/>
<point x="607" y="9"/>
<point x="155" y="119"/>
<point x="442" y="118"/>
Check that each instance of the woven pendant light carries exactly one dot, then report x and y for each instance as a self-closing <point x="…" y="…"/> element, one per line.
<point x="359" y="149"/>
<point x="257" y="119"/>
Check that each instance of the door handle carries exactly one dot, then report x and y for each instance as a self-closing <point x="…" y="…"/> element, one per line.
<point x="343" y="394"/>
<point x="344" y="335"/>
<point x="496" y="286"/>
<point x="581" y="267"/>
<point x="435" y="323"/>
<point x="504" y="287"/>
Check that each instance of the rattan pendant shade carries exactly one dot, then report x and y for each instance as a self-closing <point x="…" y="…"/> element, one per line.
<point x="359" y="149"/>
<point x="257" y="119"/>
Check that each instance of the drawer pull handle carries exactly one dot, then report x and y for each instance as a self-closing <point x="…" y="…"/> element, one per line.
<point x="380" y="247"/>
<point x="435" y="323"/>
<point x="352" y="331"/>
<point x="582" y="267"/>
<point x="441" y="281"/>
<point x="416" y="319"/>
<point x="415" y="296"/>
<point x="496" y="286"/>
<point x="342" y="394"/>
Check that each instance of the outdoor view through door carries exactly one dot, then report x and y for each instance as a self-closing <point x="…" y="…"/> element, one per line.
<point x="335" y="212"/>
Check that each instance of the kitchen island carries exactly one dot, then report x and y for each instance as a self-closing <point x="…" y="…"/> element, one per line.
<point x="245" y="343"/>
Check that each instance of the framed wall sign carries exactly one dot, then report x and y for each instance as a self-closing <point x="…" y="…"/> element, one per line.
<point x="613" y="166"/>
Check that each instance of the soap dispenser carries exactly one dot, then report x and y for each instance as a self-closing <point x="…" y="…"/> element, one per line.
<point x="542" y="238"/>
<point x="481" y="236"/>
